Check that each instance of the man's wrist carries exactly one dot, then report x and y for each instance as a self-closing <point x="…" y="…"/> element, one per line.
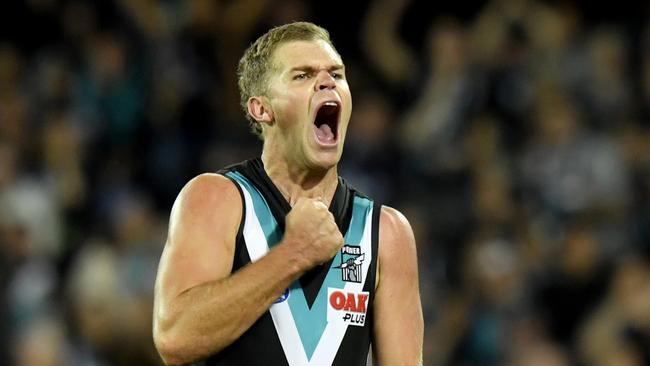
<point x="295" y="259"/>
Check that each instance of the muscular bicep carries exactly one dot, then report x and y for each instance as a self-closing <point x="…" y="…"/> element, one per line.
<point x="398" y="311"/>
<point x="201" y="239"/>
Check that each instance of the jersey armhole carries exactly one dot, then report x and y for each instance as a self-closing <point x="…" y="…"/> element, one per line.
<point x="239" y="239"/>
<point x="376" y="214"/>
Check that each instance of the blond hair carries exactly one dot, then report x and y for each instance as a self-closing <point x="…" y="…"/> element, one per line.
<point x="256" y="64"/>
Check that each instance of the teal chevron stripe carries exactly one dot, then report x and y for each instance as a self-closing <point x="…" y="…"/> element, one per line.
<point x="360" y="211"/>
<point x="310" y="323"/>
<point x="262" y="210"/>
<point x="333" y="279"/>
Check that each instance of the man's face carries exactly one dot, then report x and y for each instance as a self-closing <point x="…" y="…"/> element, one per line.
<point x="311" y="104"/>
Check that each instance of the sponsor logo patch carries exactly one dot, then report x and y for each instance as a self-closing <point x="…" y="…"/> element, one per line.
<point x="347" y="307"/>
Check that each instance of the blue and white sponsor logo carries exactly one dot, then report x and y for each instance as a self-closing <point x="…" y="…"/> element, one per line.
<point x="283" y="297"/>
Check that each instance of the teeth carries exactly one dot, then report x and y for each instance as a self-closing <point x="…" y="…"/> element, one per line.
<point x="331" y="104"/>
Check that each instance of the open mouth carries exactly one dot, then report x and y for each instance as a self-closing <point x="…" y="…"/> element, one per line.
<point x="326" y="122"/>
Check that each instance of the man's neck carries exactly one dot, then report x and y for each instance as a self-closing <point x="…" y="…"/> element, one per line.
<point x="295" y="182"/>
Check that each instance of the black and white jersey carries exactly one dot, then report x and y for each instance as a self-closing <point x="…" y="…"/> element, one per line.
<point x="325" y="317"/>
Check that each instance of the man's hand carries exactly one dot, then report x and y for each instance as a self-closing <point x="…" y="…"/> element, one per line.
<point x="312" y="231"/>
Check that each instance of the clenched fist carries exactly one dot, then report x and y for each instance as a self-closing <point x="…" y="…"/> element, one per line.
<point x="312" y="231"/>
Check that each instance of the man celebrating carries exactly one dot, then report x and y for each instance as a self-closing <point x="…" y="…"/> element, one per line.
<point x="278" y="260"/>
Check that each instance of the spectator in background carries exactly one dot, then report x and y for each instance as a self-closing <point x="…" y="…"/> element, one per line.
<point x="568" y="168"/>
<point x="607" y="88"/>
<point x="371" y="147"/>
<point x="94" y="298"/>
<point x="432" y="129"/>
<point x="42" y="342"/>
<point x="617" y="332"/>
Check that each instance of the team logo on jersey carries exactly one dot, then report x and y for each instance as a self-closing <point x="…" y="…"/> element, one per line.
<point x="346" y="306"/>
<point x="351" y="260"/>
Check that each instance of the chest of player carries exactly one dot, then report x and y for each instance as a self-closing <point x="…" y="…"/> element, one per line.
<point x="327" y="313"/>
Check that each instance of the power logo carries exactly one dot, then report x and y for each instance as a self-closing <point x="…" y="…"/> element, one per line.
<point x="351" y="262"/>
<point x="348" y="307"/>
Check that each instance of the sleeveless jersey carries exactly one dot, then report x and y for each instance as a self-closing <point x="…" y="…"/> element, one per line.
<point x="325" y="317"/>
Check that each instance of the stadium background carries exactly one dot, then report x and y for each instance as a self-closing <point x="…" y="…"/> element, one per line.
<point x="514" y="134"/>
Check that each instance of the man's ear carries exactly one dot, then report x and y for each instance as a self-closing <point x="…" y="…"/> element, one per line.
<point x="259" y="109"/>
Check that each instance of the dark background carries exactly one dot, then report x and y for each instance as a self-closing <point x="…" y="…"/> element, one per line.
<point x="513" y="134"/>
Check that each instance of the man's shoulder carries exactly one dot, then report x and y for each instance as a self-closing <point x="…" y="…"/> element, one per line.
<point x="217" y="185"/>
<point x="397" y="248"/>
<point x="395" y="231"/>
<point x="209" y="184"/>
<point x="394" y="221"/>
<point x="207" y="192"/>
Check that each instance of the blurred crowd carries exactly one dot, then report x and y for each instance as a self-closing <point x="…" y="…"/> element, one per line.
<point x="515" y="136"/>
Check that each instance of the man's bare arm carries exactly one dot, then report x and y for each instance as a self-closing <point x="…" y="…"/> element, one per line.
<point x="398" y="311"/>
<point x="200" y="307"/>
